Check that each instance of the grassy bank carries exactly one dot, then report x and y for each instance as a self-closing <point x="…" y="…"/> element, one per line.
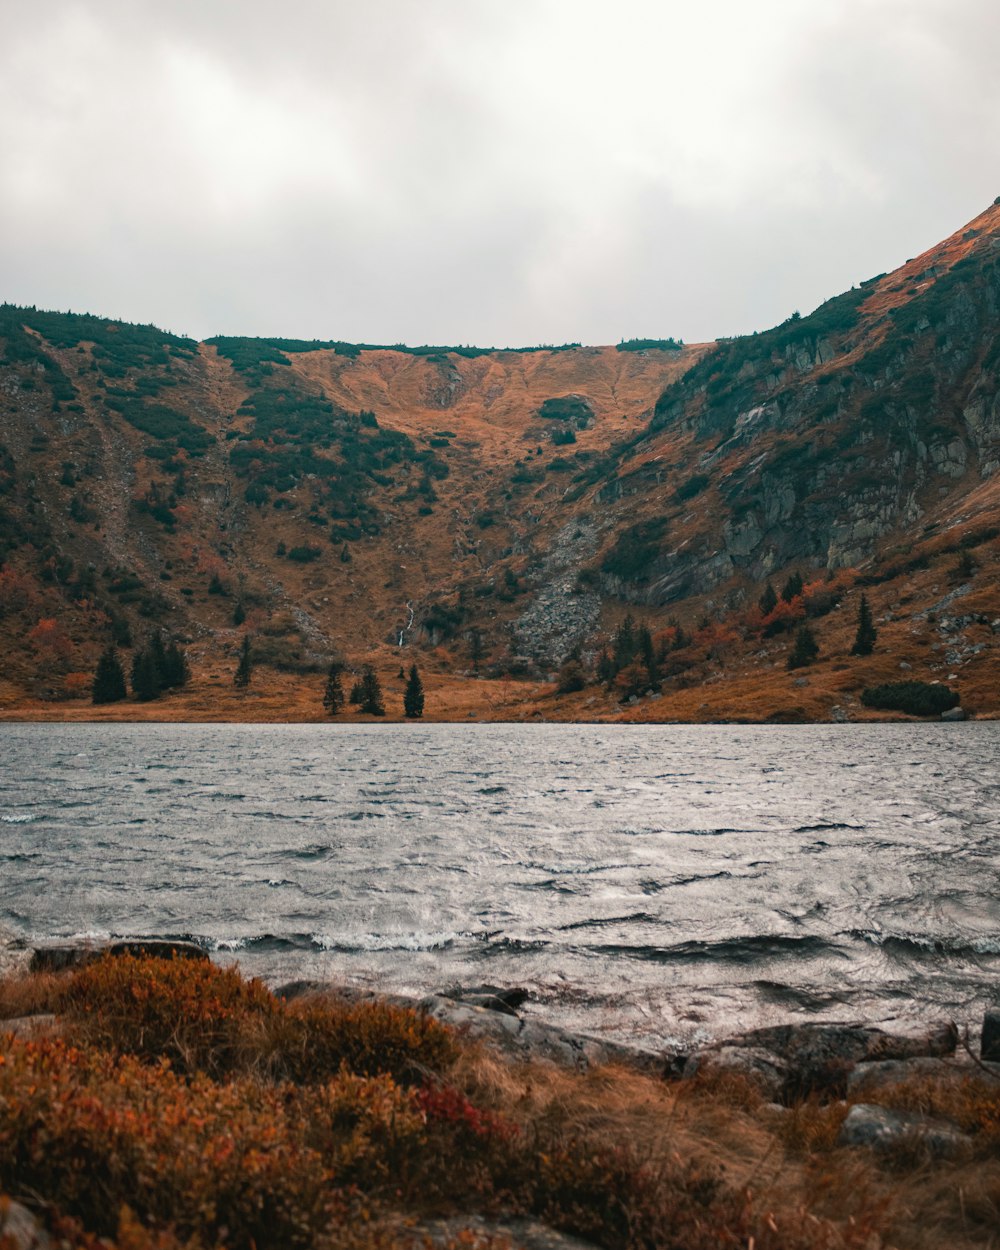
<point x="175" y="1104"/>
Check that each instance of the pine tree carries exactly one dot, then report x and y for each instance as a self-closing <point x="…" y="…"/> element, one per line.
<point x="109" y="678"/>
<point x="793" y="587"/>
<point x="239" y="613"/>
<point x="145" y="676"/>
<point x="864" y="639"/>
<point x="244" y="670"/>
<point x="806" y="648"/>
<point x="158" y="654"/>
<point x="413" y="696"/>
<point x="605" y="667"/>
<point x="175" y="667"/>
<point x="357" y="691"/>
<point x="647" y="654"/>
<point x="371" y="692"/>
<point x="624" y="643"/>
<point x="768" y="600"/>
<point x="333" y="695"/>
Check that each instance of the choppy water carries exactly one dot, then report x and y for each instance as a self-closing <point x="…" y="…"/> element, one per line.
<point x="666" y="882"/>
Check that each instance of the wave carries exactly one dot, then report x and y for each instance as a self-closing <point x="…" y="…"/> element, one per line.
<point x="25" y="818"/>
<point x="922" y="945"/>
<point x="638" y="917"/>
<point x="743" y="950"/>
<point x="824" y="825"/>
<point x="318" y="850"/>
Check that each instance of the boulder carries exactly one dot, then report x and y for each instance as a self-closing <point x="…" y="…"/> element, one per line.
<point x="76" y="954"/>
<point x="768" y="1071"/>
<point x="989" y="1045"/>
<point x="27" y="1027"/>
<point x="880" y="1129"/>
<point x="819" y="1044"/>
<point x="20" y="1229"/>
<point x="955" y="713"/>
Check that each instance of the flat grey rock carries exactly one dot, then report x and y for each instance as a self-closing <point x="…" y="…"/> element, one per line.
<point x="20" y="1227"/>
<point x="28" y="1026"/>
<point x="879" y="1129"/>
<point x="523" y="1234"/>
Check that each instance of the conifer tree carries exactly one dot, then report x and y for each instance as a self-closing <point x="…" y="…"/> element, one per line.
<point x="768" y="600"/>
<point x="371" y="692"/>
<point x="793" y="587"/>
<point x="244" y="670"/>
<point x="145" y="676"/>
<point x="605" y="667"/>
<point x="864" y="639"/>
<point x="239" y="613"/>
<point x="109" y="678"/>
<point x="333" y="695"/>
<point x="624" y="643"/>
<point x="413" y="696"/>
<point x="158" y="655"/>
<point x="175" y="667"/>
<point x="806" y="648"/>
<point x="647" y="655"/>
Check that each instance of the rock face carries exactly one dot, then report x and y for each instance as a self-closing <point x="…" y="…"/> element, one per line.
<point x="881" y="1129"/>
<point x="75" y="955"/>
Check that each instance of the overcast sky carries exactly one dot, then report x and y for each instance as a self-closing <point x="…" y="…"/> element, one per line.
<point x="503" y="172"/>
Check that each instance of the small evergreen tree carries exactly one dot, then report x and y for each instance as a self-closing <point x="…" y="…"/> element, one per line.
<point x="239" y="613"/>
<point x="864" y="639"/>
<point x="605" y="667"/>
<point x="357" y="691"/>
<point x="768" y="600"/>
<point x="175" y="668"/>
<point x="371" y="692"/>
<point x="806" y="648"/>
<point x="109" y="678"/>
<point x="333" y="695"/>
<point x="158" y="654"/>
<point x="647" y="654"/>
<point x="624" y="644"/>
<point x="793" y="587"/>
<point x="145" y="676"/>
<point x="413" y="696"/>
<point x="244" y="670"/>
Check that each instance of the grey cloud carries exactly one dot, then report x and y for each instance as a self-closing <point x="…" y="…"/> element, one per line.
<point x="460" y="171"/>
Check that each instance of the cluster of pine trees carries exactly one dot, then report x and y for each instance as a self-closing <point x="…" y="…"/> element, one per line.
<point x="366" y="692"/>
<point x="156" y="667"/>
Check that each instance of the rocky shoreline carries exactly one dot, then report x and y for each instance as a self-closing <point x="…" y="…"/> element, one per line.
<point x="785" y="1063"/>
<point x="850" y="1070"/>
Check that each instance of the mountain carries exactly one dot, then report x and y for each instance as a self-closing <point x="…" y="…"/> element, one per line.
<point x="491" y="513"/>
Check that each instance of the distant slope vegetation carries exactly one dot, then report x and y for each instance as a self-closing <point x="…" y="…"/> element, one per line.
<point x="503" y="510"/>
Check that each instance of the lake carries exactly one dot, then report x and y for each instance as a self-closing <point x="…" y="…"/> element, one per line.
<point x="662" y="883"/>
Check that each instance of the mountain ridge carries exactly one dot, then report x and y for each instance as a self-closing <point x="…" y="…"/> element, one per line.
<point x="513" y="504"/>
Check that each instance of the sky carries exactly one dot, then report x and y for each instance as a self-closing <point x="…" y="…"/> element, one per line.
<point x="496" y="172"/>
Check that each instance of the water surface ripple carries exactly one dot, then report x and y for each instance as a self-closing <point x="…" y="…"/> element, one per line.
<point x="665" y="882"/>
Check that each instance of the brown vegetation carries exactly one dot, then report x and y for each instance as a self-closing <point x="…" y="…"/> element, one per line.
<point x="180" y="1105"/>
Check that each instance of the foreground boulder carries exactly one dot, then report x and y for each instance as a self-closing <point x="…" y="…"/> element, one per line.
<point x="19" y="1229"/>
<point x="880" y="1129"/>
<point x="989" y="1047"/>
<point x="76" y="954"/>
<point x="763" y="1068"/>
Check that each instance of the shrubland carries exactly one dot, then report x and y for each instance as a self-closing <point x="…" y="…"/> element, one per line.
<point x="177" y="1104"/>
